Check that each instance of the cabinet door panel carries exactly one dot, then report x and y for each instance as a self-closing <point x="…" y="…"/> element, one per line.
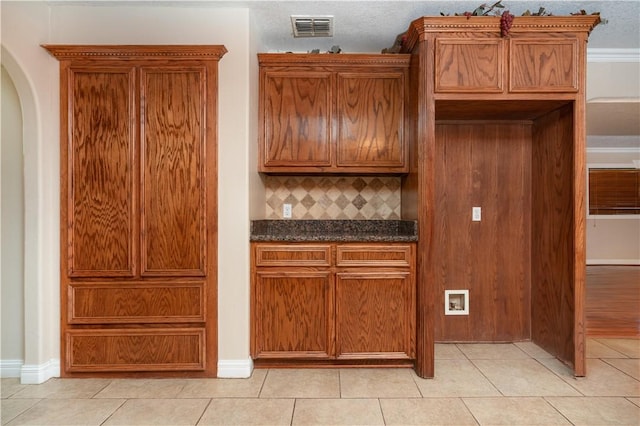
<point x="173" y="165"/>
<point x="100" y="174"/>
<point x="166" y="349"/>
<point x="543" y="66"/>
<point x="294" y="314"/>
<point x="374" y="315"/>
<point x="370" y="119"/>
<point x="297" y="119"/>
<point x="469" y="65"/>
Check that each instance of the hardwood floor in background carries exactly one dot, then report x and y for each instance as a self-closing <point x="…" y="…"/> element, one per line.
<point x="613" y="301"/>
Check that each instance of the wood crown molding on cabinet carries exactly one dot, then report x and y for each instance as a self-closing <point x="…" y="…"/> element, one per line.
<point x="66" y="51"/>
<point x="491" y="24"/>
<point x="292" y="59"/>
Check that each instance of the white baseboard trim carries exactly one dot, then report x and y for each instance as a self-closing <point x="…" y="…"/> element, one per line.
<point x="613" y="261"/>
<point x="10" y="368"/>
<point x="235" y="368"/>
<point x="35" y="374"/>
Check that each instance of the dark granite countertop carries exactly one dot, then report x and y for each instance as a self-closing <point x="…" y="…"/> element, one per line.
<point x="335" y="230"/>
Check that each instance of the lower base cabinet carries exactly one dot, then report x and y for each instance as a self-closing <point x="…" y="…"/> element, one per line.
<point x="333" y="301"/>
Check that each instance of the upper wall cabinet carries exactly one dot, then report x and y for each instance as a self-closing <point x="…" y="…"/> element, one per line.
<point x="333" y="113"/>
<point x="527" y="61"/>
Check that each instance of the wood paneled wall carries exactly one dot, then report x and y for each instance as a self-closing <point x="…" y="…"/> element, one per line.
<point x="483" y="164"/>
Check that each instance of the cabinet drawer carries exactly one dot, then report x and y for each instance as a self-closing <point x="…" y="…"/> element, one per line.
<point x="469" y="65"/>
<point x="157" y="302"/>
<point x="373" y="255"/>
<point x="543" y="65"/>
<point x="293" y="255"/>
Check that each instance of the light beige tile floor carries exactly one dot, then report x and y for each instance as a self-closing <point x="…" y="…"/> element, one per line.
<point x="502" y="384"/>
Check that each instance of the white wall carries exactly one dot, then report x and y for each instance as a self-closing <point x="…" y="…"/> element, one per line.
<point x="12" y="314"/>
<point x="26" y="25"/>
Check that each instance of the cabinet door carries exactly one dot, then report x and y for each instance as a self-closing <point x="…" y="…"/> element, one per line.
<point x="98" y="176"/>
<point x="375" y="315"/>
<point x="294" y="311"/>
<point x="539" y="65"/>
<point x="370" y="109"/>
<point x="469" y="65"/>
<point x="296" y="115"/>
<point x="174" y="188"/>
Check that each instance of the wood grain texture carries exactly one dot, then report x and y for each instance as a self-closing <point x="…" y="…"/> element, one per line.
<point x="469" y="65"/>
<point x="370" y="109"/>
<point x="487" y="165"/>
<point x="375" y="314"/>
<point x="129" y="350"/>
<point x="297" y="118"/>
<point x="553" y="297"/>
<point x="108" y="108"/>
<point x="427" y="105"/>
<point x="113" y="303"/>
<point x="100" y="152"/>
<point x="294" y="314"/>
<point x="543" y="65"/>
<point x="173" y="155"/>
<point x="332" y="113"/>
<point x="613" y="298"/>
<point x="293" y="255"/>
<point x="367" y="255"/>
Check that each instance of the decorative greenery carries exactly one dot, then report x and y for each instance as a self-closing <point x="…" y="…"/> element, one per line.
<point x="496" y="9"/>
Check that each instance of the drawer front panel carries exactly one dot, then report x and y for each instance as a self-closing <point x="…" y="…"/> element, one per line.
<point x="293" y="255"/>
<point x="120" y="350"/>
<point x="373" y="255"/>
<point x="112" y="303"/>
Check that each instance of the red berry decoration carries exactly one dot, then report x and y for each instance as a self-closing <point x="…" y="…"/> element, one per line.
<point x="506" y="19"/>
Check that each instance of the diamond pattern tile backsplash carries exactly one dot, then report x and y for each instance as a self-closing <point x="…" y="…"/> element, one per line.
<point x="341" y="197"/>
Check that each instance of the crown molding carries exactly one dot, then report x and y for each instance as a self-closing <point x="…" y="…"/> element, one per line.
<point x="595" y="54"/>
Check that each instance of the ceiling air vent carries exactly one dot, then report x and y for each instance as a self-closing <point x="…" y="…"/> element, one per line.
<point x="312" y="26"/>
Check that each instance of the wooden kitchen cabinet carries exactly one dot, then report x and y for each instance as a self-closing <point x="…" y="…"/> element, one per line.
<point x="497" y="65"/>
<point x="138" y="209"/>
<point x="332" y="113"/>
<point x="333" y="301"/>
<point x="498" y="124"/>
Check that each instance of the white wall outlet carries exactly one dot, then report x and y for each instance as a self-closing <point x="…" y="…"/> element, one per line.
<point x="286" y="211"/>
<point x="476" y="214"/>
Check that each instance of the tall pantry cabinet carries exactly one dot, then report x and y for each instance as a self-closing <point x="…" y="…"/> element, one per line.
<point x="138" y="209"/>
<point x="498" y="125"/>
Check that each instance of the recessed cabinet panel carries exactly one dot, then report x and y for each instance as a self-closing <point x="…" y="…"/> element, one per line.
<point x="100" y="181"/>
<point x="469" y="65"/>
<point x="374" y="315"/>
<point x="370" y="119"/>
<point x="113" y="303"/>
<point x="543" y="65"/>
<point x="297" y="119"/>
<point x="122" y="350"/>
<point x="174" y="184"/>
<point x="294" y="312"/>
